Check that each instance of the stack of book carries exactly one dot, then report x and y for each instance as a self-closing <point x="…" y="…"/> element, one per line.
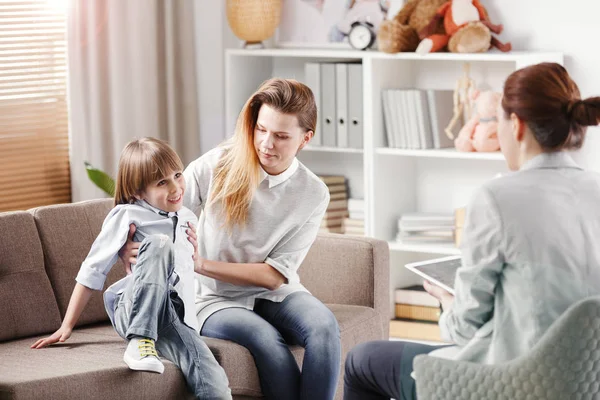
<point x="416" y="119"/>
<point x="337" y="210"/>
<point x="417" y="314"/>
<point x="426" y="227"/>
<point x="355" y="223"/>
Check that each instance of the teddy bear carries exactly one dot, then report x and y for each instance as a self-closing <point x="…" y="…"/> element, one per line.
<point x="467" y="29"/>
<point x="401" y="33"/>
<point x="480" y="131"/>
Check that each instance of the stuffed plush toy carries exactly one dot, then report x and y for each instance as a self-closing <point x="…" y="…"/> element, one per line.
<point x="480" y="131"/>
<point x="401" y="32"/>
<point x="467" y="29"/>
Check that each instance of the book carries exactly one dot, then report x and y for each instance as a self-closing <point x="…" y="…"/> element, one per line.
<point x="415" y="295"/>
<point x="338" y="196"/>
<point x="336" y="188"/>
<point x="336" y="214"/>
<point x="417" y="313"/>
<point x="405" y="329"/>
<point x="331" y="222"/>
<point x="441" y="111"/>
<point x="333" y="179"/>
<point x="332" y="229"/>
<point x="337" y="205"/>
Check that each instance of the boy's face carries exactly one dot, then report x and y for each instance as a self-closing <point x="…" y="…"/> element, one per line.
<point x="167" y="193"/>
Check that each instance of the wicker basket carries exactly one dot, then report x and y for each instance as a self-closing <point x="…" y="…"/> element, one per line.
<point x="253" y="20"/>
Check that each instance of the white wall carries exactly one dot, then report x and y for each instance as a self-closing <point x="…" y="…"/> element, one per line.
<point x="570" y="27"/>
<point x="552" y="25"/>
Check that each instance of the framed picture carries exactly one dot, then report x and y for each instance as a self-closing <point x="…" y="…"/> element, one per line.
<point x="326" y="23"/>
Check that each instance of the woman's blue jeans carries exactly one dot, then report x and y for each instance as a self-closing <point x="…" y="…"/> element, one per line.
<point x="267" y="331"/>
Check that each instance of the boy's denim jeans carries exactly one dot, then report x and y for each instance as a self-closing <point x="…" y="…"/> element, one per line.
<point x="151" y="308"/>
<point x="266" y="332"/>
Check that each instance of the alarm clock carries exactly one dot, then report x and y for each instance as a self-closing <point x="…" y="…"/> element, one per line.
<point x="362" y="35"/>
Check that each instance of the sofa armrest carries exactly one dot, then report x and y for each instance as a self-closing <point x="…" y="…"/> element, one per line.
<point x="342" y="269"/>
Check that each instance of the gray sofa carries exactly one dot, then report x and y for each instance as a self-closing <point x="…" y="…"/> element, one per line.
<point x="40" y="254"/>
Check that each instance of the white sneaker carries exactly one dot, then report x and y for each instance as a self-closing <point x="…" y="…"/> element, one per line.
<point x="141" y="355"/>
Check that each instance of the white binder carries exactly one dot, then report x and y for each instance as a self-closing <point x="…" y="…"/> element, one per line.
<point x="328" y="122"/>
<point x="355" y="106"/>
<point x="341" y="99"/>
<point x="312" y="79"/>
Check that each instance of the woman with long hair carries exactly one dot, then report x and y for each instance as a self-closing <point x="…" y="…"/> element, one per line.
<point x="260" y="211"/>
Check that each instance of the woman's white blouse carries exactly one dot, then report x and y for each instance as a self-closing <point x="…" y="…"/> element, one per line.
<point x="283" y="221"/>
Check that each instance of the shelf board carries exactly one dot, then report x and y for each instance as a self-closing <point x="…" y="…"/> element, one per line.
<point x="333" y="149"/>
<point x="493" y="55"/>
<point x="431" y="248"/>
<point x="441" y="153"/>
<point x="303" y="53"/>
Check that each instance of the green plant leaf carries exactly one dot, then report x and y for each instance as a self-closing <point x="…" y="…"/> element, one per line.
<point x="101" y="179"/>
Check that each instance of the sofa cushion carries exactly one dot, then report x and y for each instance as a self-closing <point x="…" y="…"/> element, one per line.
<point x="67" y="232"/>
<point x="89" y="365"/>
<point x="27" y="304"/>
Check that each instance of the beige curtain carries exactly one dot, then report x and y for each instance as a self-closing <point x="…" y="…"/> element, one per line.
<point x="132" y="73"/>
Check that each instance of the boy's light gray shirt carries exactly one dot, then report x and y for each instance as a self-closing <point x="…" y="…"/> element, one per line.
<point x="148" y="221"/>
<point x="283" y="221"/>
<point x="530" y="250"/>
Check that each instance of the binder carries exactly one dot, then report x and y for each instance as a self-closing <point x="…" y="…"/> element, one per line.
<point x="423" y="119"/>
<point x="386" y="99"/>
<point x="312" y="79"/>
<point x="341" y="100"/>
<point x="328" y="106"/>
<point x="441" y="110"/>
<point x="355" y="106"/>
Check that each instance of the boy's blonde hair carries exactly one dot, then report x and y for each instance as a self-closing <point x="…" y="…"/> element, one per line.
<point x="143" y="161"/>
<point x="238" y="172"/>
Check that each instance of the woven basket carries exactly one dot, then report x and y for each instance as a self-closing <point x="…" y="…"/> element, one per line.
<point x="253" y="20"/>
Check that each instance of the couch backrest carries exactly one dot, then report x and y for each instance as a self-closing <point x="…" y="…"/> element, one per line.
<point x="27" y="303"/>
<point x="67" y="232"/>
<point x="346" y="269"/>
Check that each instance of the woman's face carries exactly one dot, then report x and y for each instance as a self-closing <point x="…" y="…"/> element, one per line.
<point x="277" y="139"/>
<point x="507" y="136"/>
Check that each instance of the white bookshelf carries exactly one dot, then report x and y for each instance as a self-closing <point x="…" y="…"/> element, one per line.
<point x="391" y="181"/>
<point x="326" y="149"/>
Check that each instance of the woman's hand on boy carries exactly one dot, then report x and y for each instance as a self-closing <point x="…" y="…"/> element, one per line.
<point x="61" y="335"/>
<point x="129" y="251"/>
<point x="193" y="238"/>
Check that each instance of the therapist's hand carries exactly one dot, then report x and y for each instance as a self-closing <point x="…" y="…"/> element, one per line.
<point x="445" y="298"/>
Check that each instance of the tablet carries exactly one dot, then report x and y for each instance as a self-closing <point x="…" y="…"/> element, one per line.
<point x="439" y="271"/>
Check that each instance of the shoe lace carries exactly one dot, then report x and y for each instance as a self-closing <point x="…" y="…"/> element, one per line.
<point x="146" y="348"/>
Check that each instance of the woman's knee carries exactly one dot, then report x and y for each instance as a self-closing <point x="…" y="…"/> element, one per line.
<point x="323" y="328"/>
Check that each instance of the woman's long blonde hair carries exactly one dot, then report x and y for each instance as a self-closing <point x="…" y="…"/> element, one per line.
<point x="237" y="174"/>
<point x="143" y="161"/>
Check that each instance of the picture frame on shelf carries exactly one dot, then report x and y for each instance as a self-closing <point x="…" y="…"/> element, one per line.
<point x="330" y="23"/>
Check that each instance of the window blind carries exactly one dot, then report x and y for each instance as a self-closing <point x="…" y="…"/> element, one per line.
<point x="34" y="142"/>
